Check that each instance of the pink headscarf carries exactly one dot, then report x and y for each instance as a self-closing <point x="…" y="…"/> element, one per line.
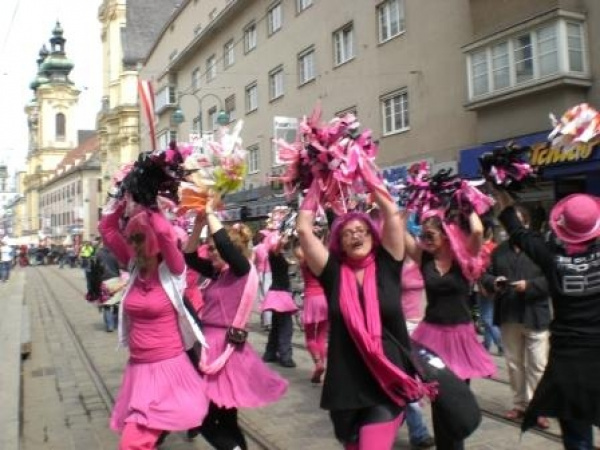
<point x="140" y="224"/>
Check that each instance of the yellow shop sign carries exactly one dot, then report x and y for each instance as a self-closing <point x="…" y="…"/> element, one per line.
<point x="544" y="155"/>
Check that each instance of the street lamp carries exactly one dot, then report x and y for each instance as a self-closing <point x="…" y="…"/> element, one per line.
<point x="178" y="117"/>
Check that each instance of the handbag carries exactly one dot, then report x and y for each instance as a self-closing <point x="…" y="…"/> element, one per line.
<point x="236" y="336"/>
<point x="455" y="404"/>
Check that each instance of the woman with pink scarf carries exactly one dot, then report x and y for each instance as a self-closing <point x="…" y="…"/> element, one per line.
<point x="369" y="379"/>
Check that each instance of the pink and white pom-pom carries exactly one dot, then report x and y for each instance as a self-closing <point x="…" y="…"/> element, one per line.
<point x="581" y="123"/>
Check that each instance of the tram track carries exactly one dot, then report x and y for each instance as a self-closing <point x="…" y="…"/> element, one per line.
<point x="252" y="433"/>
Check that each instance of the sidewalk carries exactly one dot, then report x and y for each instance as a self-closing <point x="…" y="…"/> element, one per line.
<point x="11" y="295"/>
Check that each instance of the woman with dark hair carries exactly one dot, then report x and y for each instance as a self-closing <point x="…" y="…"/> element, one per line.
<point x="369" y="379"/>
<point x="235" y="375"/>
<point x="570" y="261"/>
<point x="447" y="262"/>
<point x="161" y="390"/>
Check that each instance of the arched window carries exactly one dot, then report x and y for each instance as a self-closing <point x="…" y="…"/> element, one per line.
<point x="61" y="125"/>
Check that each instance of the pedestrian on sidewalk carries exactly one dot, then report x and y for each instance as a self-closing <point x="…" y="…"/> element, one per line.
<point x="523" y="314"/>
<point x="369" y="379"/>
<point x="161" y="390"/>
<point x="569" y="260"/>
<point x="6" y="260"/>
<point x="261" y="262"/>
<point x="413" y="303"/>
<point x="447" y="328"/>
<point x="280" y="302"/>
<point x="316" y="324"/>
<point x="235" y="375"/>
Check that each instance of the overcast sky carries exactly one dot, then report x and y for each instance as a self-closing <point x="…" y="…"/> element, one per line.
<point x="25" y="25"/>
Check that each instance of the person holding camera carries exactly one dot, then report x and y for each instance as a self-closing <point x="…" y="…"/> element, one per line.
<point x="522" y="311"/>
<point x="236" y="377"/>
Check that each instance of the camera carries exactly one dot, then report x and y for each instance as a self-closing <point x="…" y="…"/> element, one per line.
<point x="502" y="284"/>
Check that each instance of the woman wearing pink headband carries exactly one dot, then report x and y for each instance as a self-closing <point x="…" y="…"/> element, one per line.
<point x="161" y="390"/>
<point x="369" y="379"/>
<point x="235" y="375"/>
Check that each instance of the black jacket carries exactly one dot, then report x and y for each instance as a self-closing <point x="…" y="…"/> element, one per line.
<point x="532" y="307"/>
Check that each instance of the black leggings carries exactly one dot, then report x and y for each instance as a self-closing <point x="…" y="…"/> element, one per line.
<point x="220" y="428"/>
<point x="347" y="422"/>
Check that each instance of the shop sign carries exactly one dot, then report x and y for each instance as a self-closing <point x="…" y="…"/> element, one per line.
<point x="543" y="154"/>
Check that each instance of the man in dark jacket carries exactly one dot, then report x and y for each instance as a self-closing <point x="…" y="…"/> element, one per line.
<point x="522" y="311"/>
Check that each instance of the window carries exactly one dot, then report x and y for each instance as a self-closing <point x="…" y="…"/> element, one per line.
<point x="196" y="125"/>
<point x="343" y="44"/>
<point x="301" y="5"/>
<point x="250" y="37"/>
<point x="351" y="110"/>
<point x="274" y="18"/>
<point x="211" y="68"/>
<point x="276" y="83"/>
<point x="556" y="48"/>
<point x="306" y="66"/>
<point x="391" y="19"/>
<point x="575" y="47"/>
<point x="228" y="54"/>
<point x="251" y="97"/>
<point x="61" y="126"/>
<point x="395" y="112"/>
<point x="253" y="159"/>
<point x="165" y="97"/>
<point x="212" y="118"/>
<point x="165" y="137"/>
<point x="196" y="79"/>
<point x="230" y="107"/>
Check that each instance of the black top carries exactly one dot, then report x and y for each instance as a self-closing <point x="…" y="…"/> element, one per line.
<point x="108" y="262"/>
<point x="573" y="280"/>
<point x="530" y="308"/>
<point x="238" y="263"/>
<point x="279" y="272"/>
<point x="447" y="295"/>
<point x="348" y="382"/>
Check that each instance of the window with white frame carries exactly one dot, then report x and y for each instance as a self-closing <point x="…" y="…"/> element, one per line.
<point x="228" y="54"/>
<point x="343" y="44"/>
<point x="196" y="79"/>
<point x="250" y="37"/>
<point x="253" y="156"/>
<point x="166" y="137"/>
<point x="555" y="48"/>
<point x="212" y="118"/>
<point x="306" y="65"/>
<point x="390" y="15"/>
<point x="394" y="108"/>
<point x="211" y="68"/>
<point x="301" y="5"/>
<point x="276" y="83"/>
<point x="230" y="107"/>
<point x="274" y="18"/>
<point x="251" y="97"/>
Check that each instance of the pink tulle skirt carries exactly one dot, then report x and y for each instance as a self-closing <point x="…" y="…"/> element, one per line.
<point x="280" y="301"/>
<point x="165" y="395"/>
<point x="315" y="309"/>
<point x="458" y="347"/>
<point x="245" y="381"/>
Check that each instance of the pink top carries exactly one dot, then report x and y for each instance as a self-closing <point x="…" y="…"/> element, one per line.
<point x="153" y="325"/>
<point x="192" y="291"/>
<point x="261" y="258"/>
<point x="312" y="287"/>
<point x="413" y="288"/>
<point x="222" y="298"/>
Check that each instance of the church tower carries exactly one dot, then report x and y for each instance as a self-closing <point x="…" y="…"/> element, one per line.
<point x="51" y="122"/>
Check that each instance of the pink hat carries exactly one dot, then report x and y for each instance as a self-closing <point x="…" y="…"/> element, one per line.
<point x="576" y="218"/>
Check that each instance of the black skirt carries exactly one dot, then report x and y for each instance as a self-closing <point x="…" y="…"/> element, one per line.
<point x="569" y="388"/>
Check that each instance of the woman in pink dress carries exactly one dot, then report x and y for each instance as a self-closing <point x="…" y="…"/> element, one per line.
<point x="235" y="375"/>
<point x="161" y="390"/>
<point x="314" y="317"/>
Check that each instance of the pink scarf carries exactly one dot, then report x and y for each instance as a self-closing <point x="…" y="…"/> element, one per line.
<point x="365" y="329"/>
<point x="240" y="320"/>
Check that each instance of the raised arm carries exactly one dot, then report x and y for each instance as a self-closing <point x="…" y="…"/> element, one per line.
<point x="315" y="253"/>
<point x="476" y="237"/>
<point x="411" y="247"/>
<point x="392" y="234"/>
<point x="112" y="237"/>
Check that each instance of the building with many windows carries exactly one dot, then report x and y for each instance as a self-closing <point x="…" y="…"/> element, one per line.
<point x="439" y="81"/>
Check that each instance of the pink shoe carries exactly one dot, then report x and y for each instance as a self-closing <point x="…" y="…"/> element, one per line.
<point x="318" y="373"/>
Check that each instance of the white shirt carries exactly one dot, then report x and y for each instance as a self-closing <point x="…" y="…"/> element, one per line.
<point x="6" y="253"/>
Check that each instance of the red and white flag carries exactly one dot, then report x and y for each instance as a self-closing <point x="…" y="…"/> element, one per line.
<point x="146" y="93"/>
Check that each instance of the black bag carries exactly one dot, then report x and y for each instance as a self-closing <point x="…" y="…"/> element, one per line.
<point x="455" y="405"/>
<point x="236" y="336"/>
